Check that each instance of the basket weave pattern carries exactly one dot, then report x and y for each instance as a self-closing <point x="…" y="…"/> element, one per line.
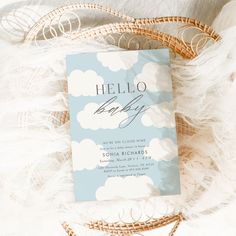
<point x="141" y="27"/>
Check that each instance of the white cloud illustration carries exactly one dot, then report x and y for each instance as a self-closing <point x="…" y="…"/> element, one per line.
<point x="88" y="120"/>
<point x="161" y="149"/>
<point x="127" y="188"/>
<point x="157" y="77"/>
<point x="82" y="83"/>
<point x="116" y="61"/>
<point x="88" y="155"/>
<point x="159" y="115"/>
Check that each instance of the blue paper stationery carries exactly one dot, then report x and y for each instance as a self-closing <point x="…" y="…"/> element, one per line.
<point x="122" y="125"/>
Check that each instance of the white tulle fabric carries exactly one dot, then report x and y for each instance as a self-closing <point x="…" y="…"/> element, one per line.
<point x="36" y="182"/>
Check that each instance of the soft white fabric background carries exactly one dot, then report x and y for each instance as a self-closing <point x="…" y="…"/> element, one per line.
<point x="224" y="221"/>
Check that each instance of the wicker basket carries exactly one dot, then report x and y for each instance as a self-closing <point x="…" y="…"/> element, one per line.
<point x="123" y="33"/>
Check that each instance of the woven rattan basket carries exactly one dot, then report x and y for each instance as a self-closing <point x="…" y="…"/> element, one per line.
<point x="130" y="33"/>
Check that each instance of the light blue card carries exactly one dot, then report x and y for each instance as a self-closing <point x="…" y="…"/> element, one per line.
<point x="122" y="125"/>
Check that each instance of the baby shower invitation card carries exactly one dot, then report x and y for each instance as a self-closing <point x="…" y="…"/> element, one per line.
<point x="122" y="125"/>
